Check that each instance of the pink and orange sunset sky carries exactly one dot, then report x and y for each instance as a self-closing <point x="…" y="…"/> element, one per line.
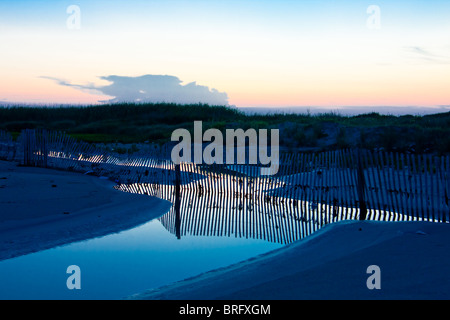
<point x="260" y="53"/>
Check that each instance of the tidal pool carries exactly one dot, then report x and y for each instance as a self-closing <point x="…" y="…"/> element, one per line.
<point x="118" y="265"/>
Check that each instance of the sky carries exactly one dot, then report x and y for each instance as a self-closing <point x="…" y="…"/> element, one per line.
<point x="247" y="53"/>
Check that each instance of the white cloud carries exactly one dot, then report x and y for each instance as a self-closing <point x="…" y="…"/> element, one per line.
<point x="153" y="89"/>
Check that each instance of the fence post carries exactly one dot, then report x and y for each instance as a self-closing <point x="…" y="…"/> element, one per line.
<point x="361" y="187"/>
<point x="177" y="200"/>
<point x="27" y="152"/>
<point x="44" y="148"/>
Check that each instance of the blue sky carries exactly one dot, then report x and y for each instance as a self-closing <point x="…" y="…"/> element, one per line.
<point x="261" y="53"/>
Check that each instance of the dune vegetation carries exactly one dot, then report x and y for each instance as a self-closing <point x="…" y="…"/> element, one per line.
<point x="137" y="123"/>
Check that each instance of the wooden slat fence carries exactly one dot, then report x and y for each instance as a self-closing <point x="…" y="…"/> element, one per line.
<point x="309" y="191"/>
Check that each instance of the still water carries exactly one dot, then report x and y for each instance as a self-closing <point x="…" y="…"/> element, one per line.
<point x="122" y="264"/>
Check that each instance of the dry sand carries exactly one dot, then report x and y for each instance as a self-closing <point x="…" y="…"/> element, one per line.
<point x="43" y="208"/>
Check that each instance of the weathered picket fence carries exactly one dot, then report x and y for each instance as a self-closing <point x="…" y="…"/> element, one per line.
<point x="309" y="190"/>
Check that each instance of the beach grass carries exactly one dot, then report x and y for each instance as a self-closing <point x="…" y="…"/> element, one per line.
<point x="155" y="122"/>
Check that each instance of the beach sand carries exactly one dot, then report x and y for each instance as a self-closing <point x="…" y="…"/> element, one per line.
<point x="413" y="260"/>
<point x="43" y="208"/>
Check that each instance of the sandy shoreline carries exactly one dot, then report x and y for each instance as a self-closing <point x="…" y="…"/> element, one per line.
<point x="43" y="208"/>
<point x="332" y="264"/>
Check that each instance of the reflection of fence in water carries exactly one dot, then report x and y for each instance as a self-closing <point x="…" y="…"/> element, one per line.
<point x="237" y="212"/>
